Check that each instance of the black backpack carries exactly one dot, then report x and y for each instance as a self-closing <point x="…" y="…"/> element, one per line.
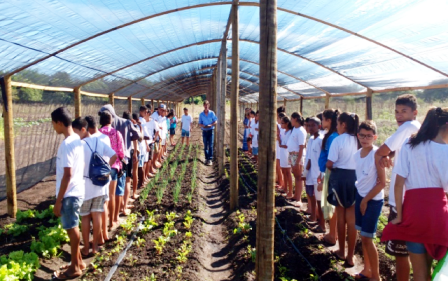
<point x="99" y="169"/>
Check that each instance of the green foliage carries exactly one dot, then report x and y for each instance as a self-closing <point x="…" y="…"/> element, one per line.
<point x="50" y="240"/>
<point x="18" y="266"/>
<point x="15" y="229"/>
<point x="28" y="94"/>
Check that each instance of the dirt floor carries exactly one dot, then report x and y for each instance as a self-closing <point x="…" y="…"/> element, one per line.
<point x="222" y="243"/>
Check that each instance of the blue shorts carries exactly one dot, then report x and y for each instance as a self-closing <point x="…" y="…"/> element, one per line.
<point x="70" y="212"/>
<point x="172" y="131"/>
<point x="416" y="248"/>
<point x="185" y="133"/>
<point x="368" y="223"/>
<point x="113" y="174"/>
<point x="309" y="190"/>
<point x="141" y="160"/>
<point x="121" y="183"/>
<point x="254" y="150"/>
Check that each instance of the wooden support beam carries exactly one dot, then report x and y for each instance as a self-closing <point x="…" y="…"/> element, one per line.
<point x="143" y="101"/>
<point x="234" y="95"/>
<point x="369" y="112"/>
<point x="327" y="101"/>
<point x="78" y="110"/>
<point x="301" y="106"/>
<point x="8" y="120"/>
<point x="284" y="103"/>
<point x="152" y="105"/>
<point x="130" y="105"/>
<point x="221" y="134"/>
<point x="111" y="99"/>
<point x="264" y="265"/>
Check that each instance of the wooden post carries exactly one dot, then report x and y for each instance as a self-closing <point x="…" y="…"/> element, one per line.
<point x="369" y="112"/>
<point x="301" y="105"/>
<point x="112" y="99"/>
<point x="217" y="101"/>
<point x="264" y="265"/>
<point x="284" y="103"/>
<point x="327" y="101"/>
<point x="77" y="93"/>
<point x="143" y="101"/>
<point x="130" y="104"/>
<point x="152" y="105"/>
<point x="11" y="191"/>
<point x="222" y="110"/>
<point x="234" y="95"/>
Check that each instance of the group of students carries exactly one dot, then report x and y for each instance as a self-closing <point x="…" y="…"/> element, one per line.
<point x="344" y="174"/>
<point x="96" y="167"/>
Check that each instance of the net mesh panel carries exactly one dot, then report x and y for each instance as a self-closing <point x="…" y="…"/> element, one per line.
<point x="120" y="107"/>
<point x="36" y="143"/>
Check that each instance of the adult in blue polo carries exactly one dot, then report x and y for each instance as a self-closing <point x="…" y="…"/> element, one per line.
<point x="207" y="122"/>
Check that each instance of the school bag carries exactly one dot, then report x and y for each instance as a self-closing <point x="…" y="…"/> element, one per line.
<point x="99" y="169"/>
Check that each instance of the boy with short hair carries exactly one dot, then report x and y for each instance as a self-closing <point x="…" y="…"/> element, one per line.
<point x="93" y="205"/>
<point x="186" y="126"/>
<point x="152" y="129"/>
<point x="69" y="188"/>
<point x="312" y="167"/>
<point x="371" y="180"/>
<point x="405" y="114"/>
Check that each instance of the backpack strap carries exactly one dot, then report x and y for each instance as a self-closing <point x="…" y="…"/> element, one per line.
<point x="89" y="146"/>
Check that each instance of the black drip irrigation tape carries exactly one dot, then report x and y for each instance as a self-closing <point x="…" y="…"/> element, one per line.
<point x="284" y="232"/>
<point x="123" y="254"/>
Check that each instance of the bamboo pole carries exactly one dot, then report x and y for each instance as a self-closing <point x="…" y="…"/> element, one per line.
<point x="111" y="99"/>
<point x="152" y="105"/>
<point x="130" y="105"/>
<point x="143" y="101"/>
<point x="222" y="118"/>
<point x="301" y="106"/>
<point x="264" y="265"/>
<point x="369" y="112"/>
<point x="284" y="103"/>
<point x="327" y="101"/>
<point x="11" y="191"/>
<point x="78" y="110"/>
<point x="234" y="110"/>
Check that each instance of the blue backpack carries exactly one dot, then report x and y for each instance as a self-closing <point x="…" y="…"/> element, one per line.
<point x="99" y="169"/>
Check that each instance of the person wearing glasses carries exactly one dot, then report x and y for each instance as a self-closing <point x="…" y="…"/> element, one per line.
<point x="207" y="122"/>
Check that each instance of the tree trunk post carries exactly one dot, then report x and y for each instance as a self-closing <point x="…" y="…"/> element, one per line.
<point x="264" y="265"/>
<point x="112" y="99"/>
<point x="143" y="101"/>
<point x="217" y="101"/>
<point x="8" y="121"/>
<point x="221" y="133"/>
<point x="130" y="104"/>
<point x="327" y="101"/>
<point x="234" y="110"/>
<point x="152" y="105"/>
<point x="77" y="93"/>
<point x="284" y="103"/>
<point x="301" y="106"/>
<point x="369" y="112"/>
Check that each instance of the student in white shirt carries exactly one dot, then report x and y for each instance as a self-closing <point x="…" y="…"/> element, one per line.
<point x="95" y="133"/>
<point x="370" y="182"/>
<point x="284" y="162"/>
<point x="341" y="186"/>
<point x="152" y="129"/>
<point x="278" y="173"/>
<point x="93" y="205"/>
<point x="296" y="148"/>
<point x="422" y="219"/>
<point x="186" y="126"/>
<point x="405" y="115"/>
<point x="69" y="188"/>
<point x="314" y="147"/>
<point x="254" y="133"/>
<point x="251" y="124"/>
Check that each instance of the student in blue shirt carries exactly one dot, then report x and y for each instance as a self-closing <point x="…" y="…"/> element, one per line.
<point x="207" y="121"/>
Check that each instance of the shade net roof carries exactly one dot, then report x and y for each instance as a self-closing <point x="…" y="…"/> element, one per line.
<point x="169" y="49"/>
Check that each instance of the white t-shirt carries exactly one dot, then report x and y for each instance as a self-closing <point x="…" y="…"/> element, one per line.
<point x="71" y="155"/>
<point x="285" y="136"/>
<point x="297" y="138"/>
<point x="162" y="123"/>
<point x="424" y="165"/>
<point x="313" y="153"/>
<point x="186" y="122"/>
<point x="342" y="152"/>
<point x="366" y="174"/>
<point x="254" y="134"/>
<point x="150" y="127"/>
<point x="395" y="142"/>
<point x="92" y="191"/>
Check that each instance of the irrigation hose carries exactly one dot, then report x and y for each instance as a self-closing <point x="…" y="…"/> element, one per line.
<point x="284" y="232"/>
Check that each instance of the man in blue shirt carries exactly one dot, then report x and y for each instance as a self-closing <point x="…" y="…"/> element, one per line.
<point x="207" y="121"/>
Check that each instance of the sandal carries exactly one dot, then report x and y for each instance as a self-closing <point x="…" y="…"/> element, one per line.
<point x="347" y="265"/>
<point x="318" y="229"/>
<point x="326" y="242"/>
<point x="64" y="276"/>
<point x="337" y="256"/>
<point x="360" y="276"/>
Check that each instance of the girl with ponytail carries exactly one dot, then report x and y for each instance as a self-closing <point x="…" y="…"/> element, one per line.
<point x="341" y="185"/>
<point x="422" y="219"/>
<point x="296" y="145"/>
<point x="329" y="123"/>
<point x="283" y="154"/>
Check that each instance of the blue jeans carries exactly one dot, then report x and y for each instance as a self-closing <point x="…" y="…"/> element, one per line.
<point x="70" y="209"/>
<point x="368" y="223"/>
<point x="207" y="137"/>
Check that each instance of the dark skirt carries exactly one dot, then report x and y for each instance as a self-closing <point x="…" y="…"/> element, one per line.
<point x="341" y="188"/>
<point x="245" y="146"/>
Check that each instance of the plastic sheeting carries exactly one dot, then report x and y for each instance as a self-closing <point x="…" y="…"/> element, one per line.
<point x="325" y="46"/>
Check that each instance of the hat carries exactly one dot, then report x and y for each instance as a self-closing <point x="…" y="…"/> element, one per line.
<point x="162" y="106"/>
